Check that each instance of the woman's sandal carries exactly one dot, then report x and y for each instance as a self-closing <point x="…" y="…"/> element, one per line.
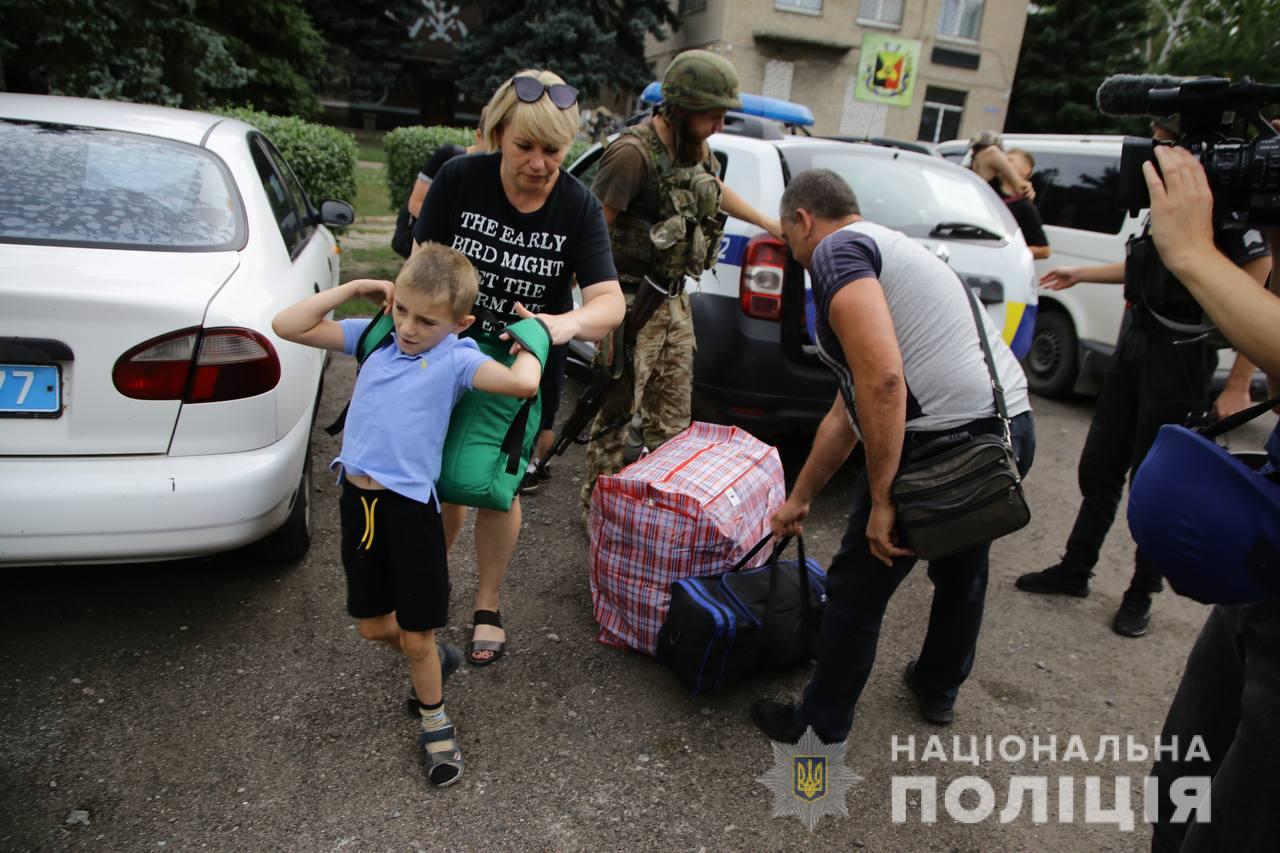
<point x="444" y="763"/>
<point x="496" y="647"/>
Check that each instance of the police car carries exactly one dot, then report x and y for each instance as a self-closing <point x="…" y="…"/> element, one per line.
<point x="756" y="364"/>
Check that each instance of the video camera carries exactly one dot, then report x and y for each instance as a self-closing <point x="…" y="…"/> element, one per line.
<point x="1214" y="117"/>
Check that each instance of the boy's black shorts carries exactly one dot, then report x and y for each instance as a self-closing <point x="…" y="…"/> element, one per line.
<point x="394" y="555"/>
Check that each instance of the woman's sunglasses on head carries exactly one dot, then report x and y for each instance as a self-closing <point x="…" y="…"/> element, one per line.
<point x="531" y="89"/>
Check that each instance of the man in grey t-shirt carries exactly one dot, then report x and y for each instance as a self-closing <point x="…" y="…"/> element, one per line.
<point x="895" y="325"/>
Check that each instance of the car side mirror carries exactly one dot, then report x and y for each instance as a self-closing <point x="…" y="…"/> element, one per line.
<point x="337" y="213"/>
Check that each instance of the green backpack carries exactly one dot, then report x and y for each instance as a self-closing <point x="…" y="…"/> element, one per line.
<point x="491" y="436"/>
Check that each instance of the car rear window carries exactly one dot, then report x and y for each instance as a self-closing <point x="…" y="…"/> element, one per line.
<point x="909" y="194"/>
<point x="79" y="186"/>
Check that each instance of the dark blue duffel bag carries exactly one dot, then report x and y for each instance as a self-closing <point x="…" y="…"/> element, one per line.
<point x="723" y="628"/>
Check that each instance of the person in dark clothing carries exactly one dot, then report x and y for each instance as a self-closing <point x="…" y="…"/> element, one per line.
<point x="988" y="160"/>
<point x="533" y="232"/>
<point x="402" y="238"/>
<point x="898" y="330"/>
<point x="1156" y="377"/>
<point x="1024" y="209"/>
<point x="1231" y="687"/>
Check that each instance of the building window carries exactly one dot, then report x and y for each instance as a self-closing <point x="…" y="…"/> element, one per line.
<point x="887" y="12"/>
<point x="810" y="7"/>
<point x="688" y="7"/>
<point x="777" y="79"/>
<point x="961" y="19"/>
<point x="943" y="110"/>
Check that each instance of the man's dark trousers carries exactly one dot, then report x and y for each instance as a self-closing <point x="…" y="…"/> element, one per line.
<point x="858" y="590"/>
<point x="1151" y="381"/>
<point x="1229" y="697"/>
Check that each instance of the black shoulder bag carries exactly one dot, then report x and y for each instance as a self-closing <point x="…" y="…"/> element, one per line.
<point x="966" y="495"/>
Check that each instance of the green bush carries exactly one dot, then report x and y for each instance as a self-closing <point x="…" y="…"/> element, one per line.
<point x="575" y="151"/>
<point x="407" y="149"/>
<point x="323" y="157"/>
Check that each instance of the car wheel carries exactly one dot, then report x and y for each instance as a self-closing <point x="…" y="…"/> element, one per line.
<point x="290" y="542"/>
<point x="1052" y="361"/>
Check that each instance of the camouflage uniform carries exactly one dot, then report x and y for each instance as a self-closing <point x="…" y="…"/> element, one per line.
<point x="682" y="240"/>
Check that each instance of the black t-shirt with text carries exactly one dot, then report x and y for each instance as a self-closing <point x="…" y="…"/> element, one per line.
<point x="530" y="258"/>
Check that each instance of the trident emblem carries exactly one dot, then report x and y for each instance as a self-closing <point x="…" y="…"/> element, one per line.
<point x="811" y="777"/>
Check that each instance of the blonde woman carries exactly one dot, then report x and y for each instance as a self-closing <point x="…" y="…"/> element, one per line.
<point x="531" y="229"/>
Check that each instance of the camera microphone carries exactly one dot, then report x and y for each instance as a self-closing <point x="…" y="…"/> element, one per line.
<point x="1129" y="94"/>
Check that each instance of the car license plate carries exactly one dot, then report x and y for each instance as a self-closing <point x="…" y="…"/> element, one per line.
<point x="34" y="389"/>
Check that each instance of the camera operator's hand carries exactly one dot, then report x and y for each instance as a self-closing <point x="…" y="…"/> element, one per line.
<point x="1181" y="208"/>
<point x="1182" y="227"/>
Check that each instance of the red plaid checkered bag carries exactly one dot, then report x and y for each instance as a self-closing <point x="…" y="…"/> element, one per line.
<point x="693" y="507"/>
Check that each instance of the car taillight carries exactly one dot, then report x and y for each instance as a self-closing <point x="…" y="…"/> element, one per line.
<point x="199" y="366"/>
<point x="762" y="271"/>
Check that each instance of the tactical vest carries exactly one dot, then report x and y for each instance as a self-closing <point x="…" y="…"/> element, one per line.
<point x="685" y="239"/>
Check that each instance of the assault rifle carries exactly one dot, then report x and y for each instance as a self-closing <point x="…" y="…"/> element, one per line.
<point x="648" y="298"/>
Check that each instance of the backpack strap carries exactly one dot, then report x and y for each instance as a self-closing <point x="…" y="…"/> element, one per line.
<point x="532" y="334"/>
<point x="375" y="336"/>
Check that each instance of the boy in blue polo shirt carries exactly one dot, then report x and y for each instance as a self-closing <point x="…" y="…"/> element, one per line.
<point x="393" y="546"/>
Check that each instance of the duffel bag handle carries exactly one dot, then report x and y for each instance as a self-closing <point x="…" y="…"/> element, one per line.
<point x="755" y="549"/>
<point x="806" y="606"/>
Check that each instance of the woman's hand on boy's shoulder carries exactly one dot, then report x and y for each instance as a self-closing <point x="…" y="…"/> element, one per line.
<point x="378" y="290"/>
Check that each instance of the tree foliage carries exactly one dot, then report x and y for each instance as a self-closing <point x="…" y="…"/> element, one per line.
<point x="187" y="53"/>
<point x="367" y="41"/>
<point x="1069" y="48"/>
<point x="595" y="45"/>
<point x="1222" y="38"/>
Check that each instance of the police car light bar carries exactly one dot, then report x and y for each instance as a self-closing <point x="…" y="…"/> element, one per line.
<point x="752" y="105"/>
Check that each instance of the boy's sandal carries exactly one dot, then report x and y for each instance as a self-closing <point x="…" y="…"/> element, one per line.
<point x="450" y="660"/>
<point x="495" y="647"/>
<point x="444" y="762"/>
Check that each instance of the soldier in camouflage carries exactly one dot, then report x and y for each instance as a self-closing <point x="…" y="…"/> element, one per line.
<point x="666" y="206"/>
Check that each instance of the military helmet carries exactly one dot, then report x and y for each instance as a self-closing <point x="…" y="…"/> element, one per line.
<point x="699" y="80"/>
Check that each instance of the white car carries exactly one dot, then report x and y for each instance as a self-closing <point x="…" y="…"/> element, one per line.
<point x="756" y="365"/>
<point x="147" y="411"/>
<point x="1076" y="178"/>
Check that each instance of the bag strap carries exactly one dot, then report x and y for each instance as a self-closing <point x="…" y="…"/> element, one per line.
<point x="807" y="617"/>
<point x="513" y="441"/>
<point x="755" y="549"/>
<point x="996" y="387"/>
<point x="380" y="326"/>
<point x="1238" y="419"/>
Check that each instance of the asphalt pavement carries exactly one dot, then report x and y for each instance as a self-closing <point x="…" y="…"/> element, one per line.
<point x="222" y="704"/>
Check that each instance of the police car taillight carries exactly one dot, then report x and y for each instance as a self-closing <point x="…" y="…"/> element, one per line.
<point x="760" y="290"/>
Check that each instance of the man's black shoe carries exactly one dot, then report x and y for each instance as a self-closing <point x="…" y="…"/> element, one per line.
<point x="1134" y="616"/>
<point x="1055" y="580"/>
<point x="932" y="710"/>
<point x="778" y="720"/>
